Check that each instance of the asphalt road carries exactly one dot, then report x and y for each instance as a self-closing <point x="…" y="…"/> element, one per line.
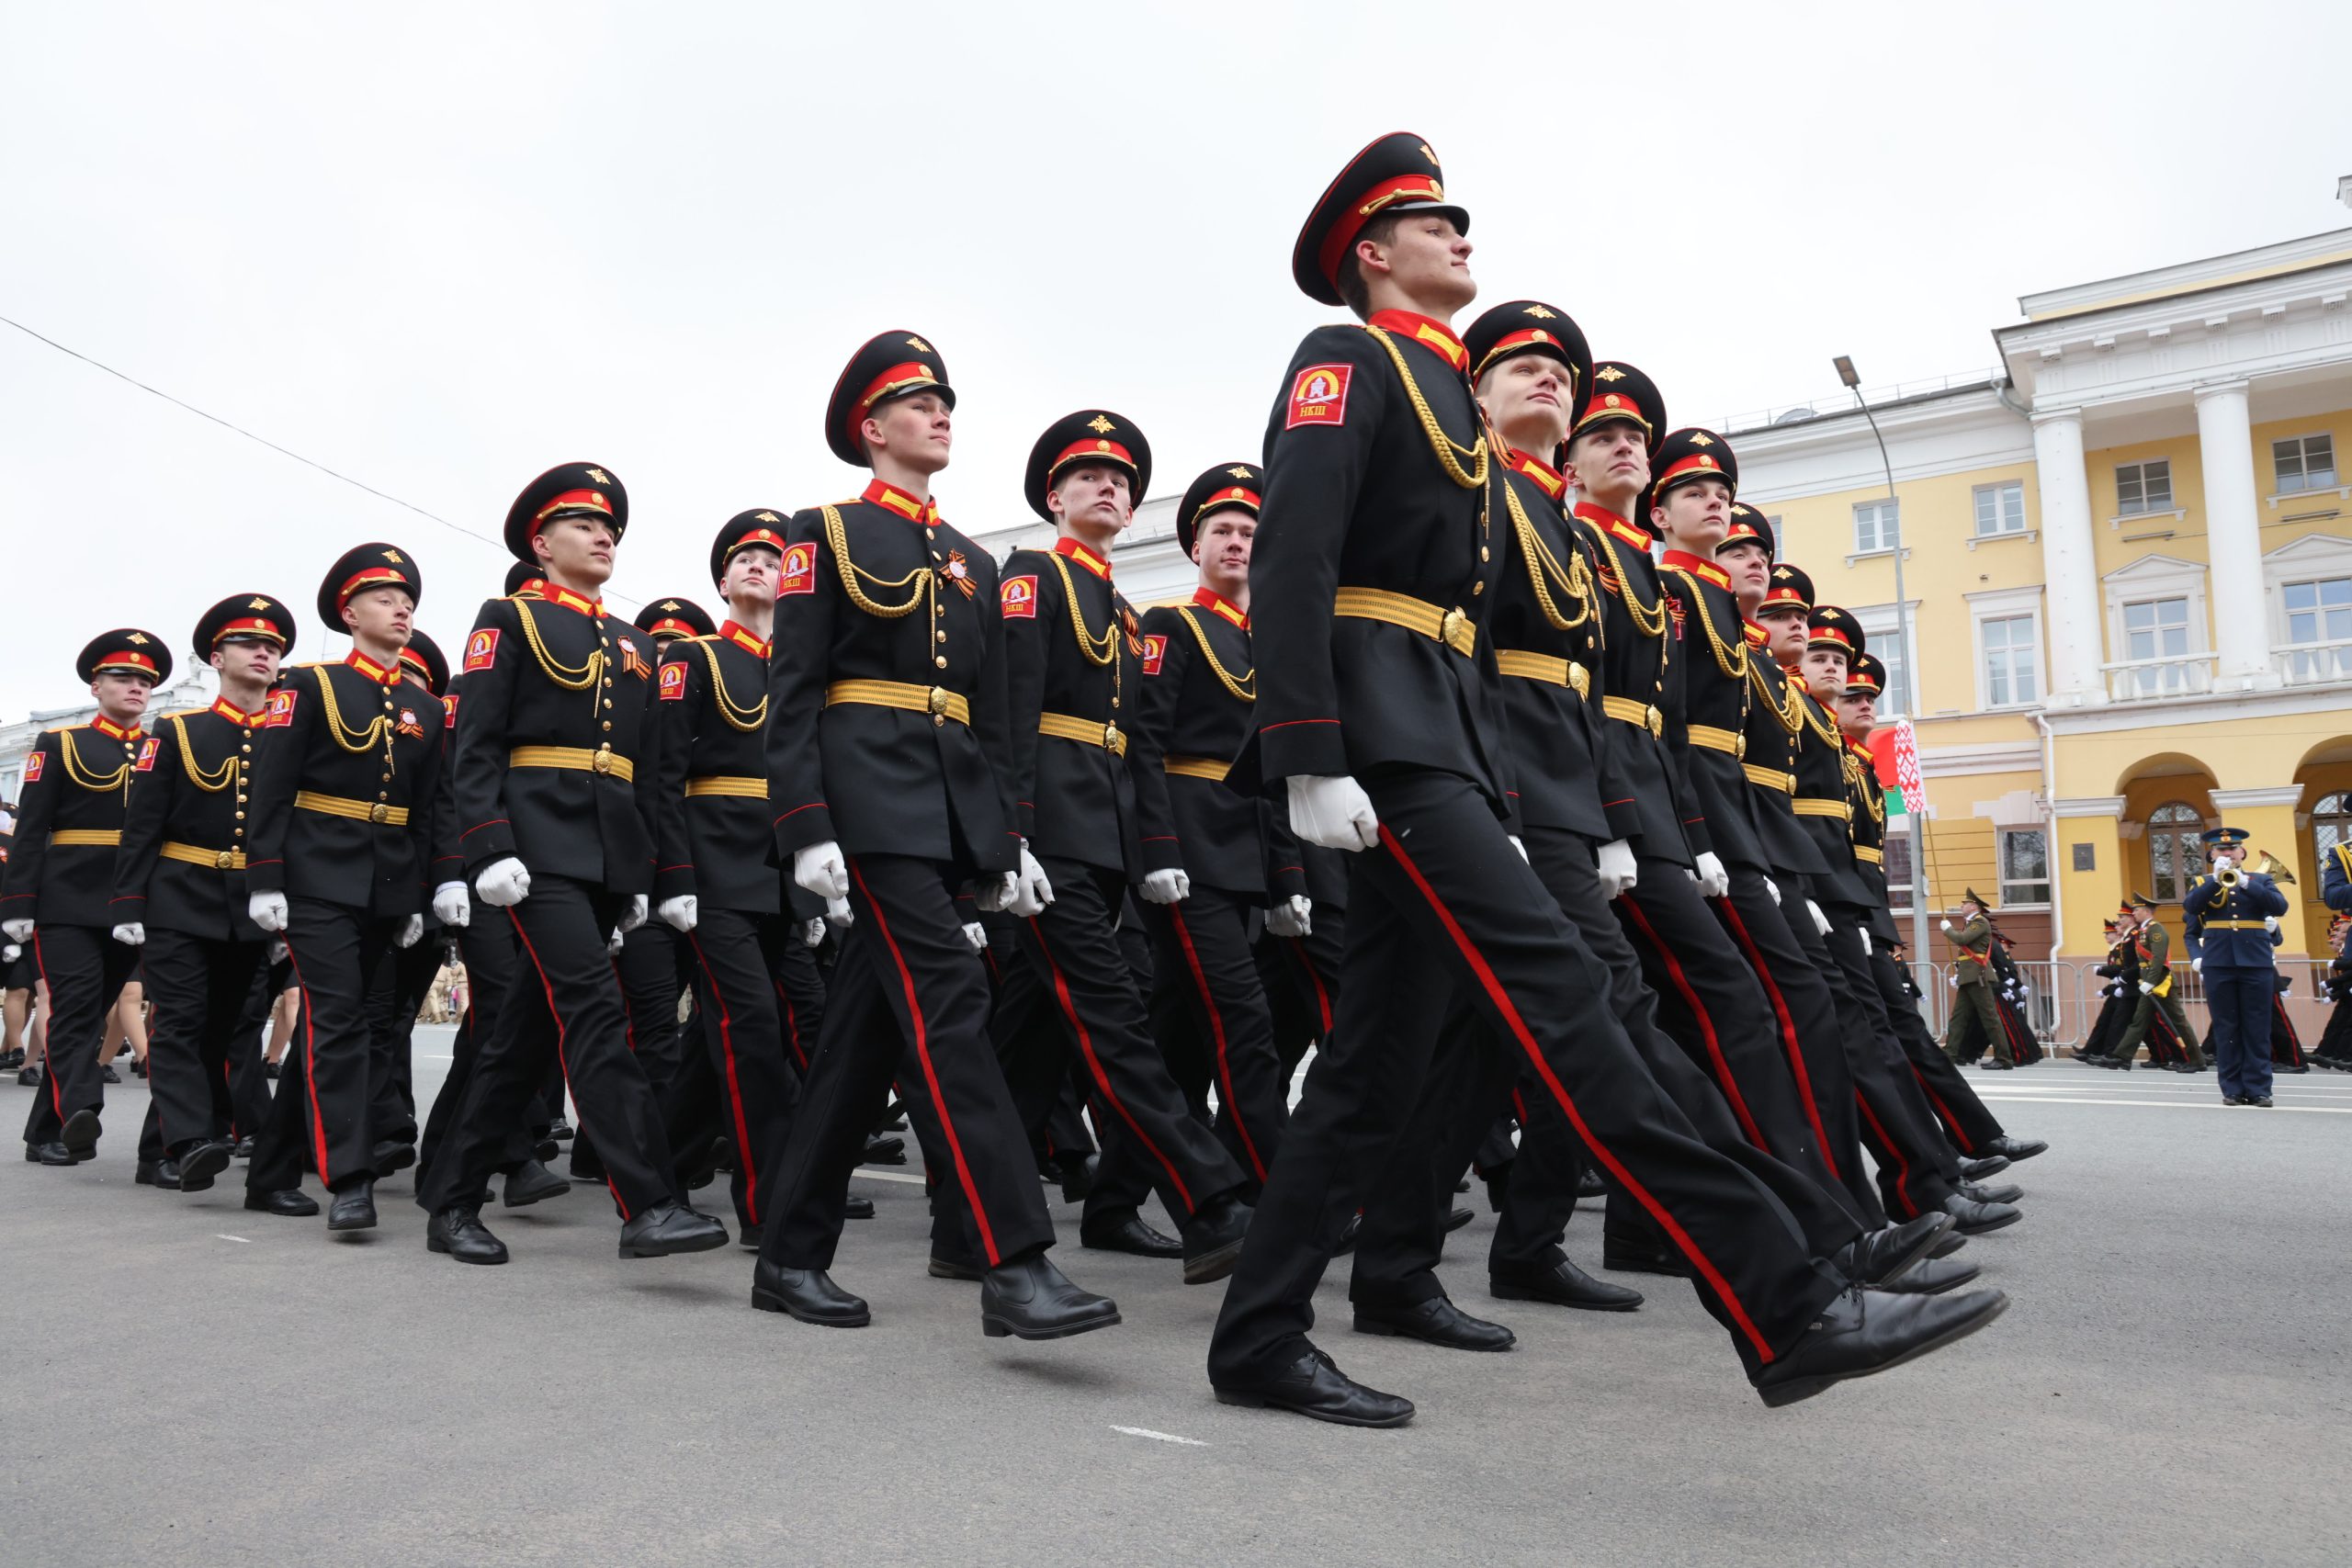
<point x="188" y="1383"/>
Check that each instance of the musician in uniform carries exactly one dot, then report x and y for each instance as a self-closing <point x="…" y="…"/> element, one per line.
<point x="2227" y="921"/>
<point x="2159" y="1009"/>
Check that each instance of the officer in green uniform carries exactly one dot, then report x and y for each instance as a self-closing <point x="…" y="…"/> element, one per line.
<point x="1973" y="1011"/>
<point x="2158" y="997"/>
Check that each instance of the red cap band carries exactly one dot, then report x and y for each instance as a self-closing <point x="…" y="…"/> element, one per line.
<point x="1387" y="194"/>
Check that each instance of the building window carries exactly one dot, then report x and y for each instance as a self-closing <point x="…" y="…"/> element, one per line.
<point x="2025" y="866"/>
<point x="1897" y="850"/>
<point x="2143" y="487"/>
<point x="2007" y="644"/>
<point x="1878" y="525"/>
<point x="2304" y="462"/>
<point x="1780" y="535"/>
<point x="2174" y="850"/>
<point x="2331" y="826"/>
<point x="2000" y="509"/>
<point x="2156" y="630"/>
<point x="2319" y="629"/>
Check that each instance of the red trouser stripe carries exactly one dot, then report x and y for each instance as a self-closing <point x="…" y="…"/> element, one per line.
<point x="1788" y="1034"/>
<point x="1902" y="1166"/>
<point x="1232" y="1103"/>
<point x="1682" y="1239"/>
<point x="791" y="1016"/>
<point x="1951" y="1123"/>
<point x="560" y="1060"/>
<point x="734" y="1086"/>
<point x="2286" y="1026"/>
<point x="1102" y="1078"/>
<point x="56" y="1096"/>
<point x="930" y="1074"/>
<point x="310" y="1062"/>
<point x="1313" y="978"/>
<point x="1681" y="982"/>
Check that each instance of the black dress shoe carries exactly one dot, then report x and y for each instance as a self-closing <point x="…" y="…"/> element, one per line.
<point x="1589" y="1185"/>
<point x="458" y="1231"/>
<point x="531" y="1181"/>
<point x="1122" y="1230"/>
<point x="2259" y="1101"/>
<point x="1997" y="1193"/>
<point x="722" y="1154"/>
<point x="1952" y="1242"/>
<point x="955" y="1269"/>
<point x="856" y="1206"/>
<point x="1930" y="1277"/>
<point x="1977" y="1169"/>
<point x="108" y="1074"/>
<point x="1033" y="1300"/>
<point x="545" y="1150"/>
<point x="1458" y="1218"/>
<point x="668" y="1228"/>
<point x="139" y="1068"/>
<point x="51" y="1153"/>
<point x="1314" y="1386"/>
<point x="29" y="1077"/>
<point x="1622" y="1255"/>
<point x="1435" y="1322"/>
<point x="1462" y="1185"/>
<point x="2091" y="1058"/>
<point x="808" y="1294"/>
<point x="80" y="1134"/>
<point x="1864" y="1332"/>
<point x="1078" y="1177"/>
<point x="291" y="1203"/>
<point x="1213" y="1239"/>
<point x="1972" y="1218"/>
<point x="392" y="1157"/>
<point x="244" y="1149"/>
<point x="1994" y="1064"/>
<point x="883" y="1151"/>
<point x="269" y="1069"/>
<point x="202" y="1164"/>
<point x="1886" y="1254"/>
<point x="2016" y="1148"/>
<point x="2233" y="1100"/>
<point x="560" y="1131"/>
<point x="11" y="1059"/>
<point x="164" y="1173"/>
<point x="1564" y="1284"/>
<point x="354" y="1208"/>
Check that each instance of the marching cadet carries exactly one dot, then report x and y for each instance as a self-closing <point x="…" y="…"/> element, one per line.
<point x="1975" y="1022"/>
<point x="552" y="730"/>
<point x="716" y="883"/>
<point x="397" y="992"/>
<point x="2159" y="1011"/>
<point x="1193" y="714"/>
<point x="887" y="737"/>
<point x="2334" y="1048"/>
<point x="60" y="876"/>
<point x="1073" y="682"/>
<point x="342" y="847"/>
<point x="1379" y="720"/>
<point x="180" y="894"/>
<point x="2227" y="922"/>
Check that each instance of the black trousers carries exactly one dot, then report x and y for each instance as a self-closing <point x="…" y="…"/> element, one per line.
<point x="201" y="991"/>
<point x="85" y="969"/>
<point x="1074" y="952"/>
<point x="324" y="1110"/>
<point x="487" y="947"/>
<point x="396" y="994"/>
<point x="1203" y="961"/>
<point x="1403" y="1230"/>
<point x="1446" y="904"/>
<point x="1966" y="1120"/>
<point x="1917" y="1167"/>
<point x="743" y="1082"/>
<point x="905" y="951"/>
<point x="564" y="999"/>
<point x="1301" y="977"/>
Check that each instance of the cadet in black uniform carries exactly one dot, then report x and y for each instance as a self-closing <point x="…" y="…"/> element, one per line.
<point x="552" y="730"/>
<point x="1379" y="712"/>
<point x="180" y="894"/>
<point x="345" y="781"/>
<point x="886" y="728"/>
<point x="61" y="877"/>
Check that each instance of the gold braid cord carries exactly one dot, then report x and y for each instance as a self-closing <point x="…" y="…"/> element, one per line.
<point x="354" y="741"/>
<point x="210" y="783"/>
<point x="563" y="675"/>
<point x="1731" y="661"/>
<point x="1246" y="687"/>
<point x="1788" y="707"/>
<point x="741" y="719"/>
<point x="1648" y="620"/>
<point x="1449" y="451"/>
<point x="1099" y="651"/>
<point x="1826" y="727"/>
<point x="71" y="756"/>
<point x="923" y="577"/>
<point x="1544" y="569"/>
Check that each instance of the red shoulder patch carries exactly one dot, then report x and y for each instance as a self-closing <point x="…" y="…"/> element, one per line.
<point x="1155" y="648"/>
<point x="280" y="711"/>
<point x="449" y="711"/>
<point x="481" y="650"/>
<point x="673" y="680"/>
<point x="147" y="749"/>
<point x="1319" y="396"/>
<point x="32" y="766"/>
<point x="1016" y="598"/>
<point x="798" y="573"/>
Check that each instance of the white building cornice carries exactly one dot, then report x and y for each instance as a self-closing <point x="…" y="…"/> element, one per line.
<point x="2206" y="271"/>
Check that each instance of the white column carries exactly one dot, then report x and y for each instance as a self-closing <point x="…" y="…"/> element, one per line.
<point x="2068" y="564"/>
<point x="2234" y="539"/>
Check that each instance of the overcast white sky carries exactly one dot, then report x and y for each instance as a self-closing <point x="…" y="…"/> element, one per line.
<point x="440" y="247"/>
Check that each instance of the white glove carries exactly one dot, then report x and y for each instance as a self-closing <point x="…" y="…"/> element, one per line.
<point x="636" y="915"/>
<point x="411" y="929"/>
<point x="1865" y="934"/>
<point x="1616" y="868"/>
<point x="813" y="933"/>
<point x="1030" y="891"/>
<point x="976" y="935"/>
<point x="503" y="883"/>
<point x="2197" y="965"/>
<point x="2147" y="987"/>
<point x="839" y="915"/>
<point x="1713" y="880"/>
<point x="1294" y="916"/>
<point x="681" y="913"/>
<point x="821" y="869"/>
<point x="1521" y="845"/>
<point x="267" y="910"/>
<point x="11" y="953"/>
<point x="613" y="942"/>
<point x="1945" y="924"/>
<point x="1773" y="888"/>
<point x="277" y="950"/>
<point x="2270" y="923"/>
<point x="1166" y="887"/>
<point x="19" y="930"/>
<point x="1820" y="921"/>
<point x="450" y="905"/>
<point x="130" y="933"/>
<point x="1333" y="813"/>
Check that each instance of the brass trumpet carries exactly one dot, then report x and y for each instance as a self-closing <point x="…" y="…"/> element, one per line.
<point x="2275" y="869"/>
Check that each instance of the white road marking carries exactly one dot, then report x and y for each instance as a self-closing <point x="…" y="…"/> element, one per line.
<point x="887" y="1175"/>
<point x="1161" y="1437"/>
<point x="243" y="1241"/>
<point x="2214" y="1104"/>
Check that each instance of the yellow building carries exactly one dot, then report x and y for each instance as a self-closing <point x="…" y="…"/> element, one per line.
<point x="2129" y="564"/>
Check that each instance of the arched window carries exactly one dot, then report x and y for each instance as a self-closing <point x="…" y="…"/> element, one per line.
<point x="2174" y="850"/>
<point x="2331" y="825"/>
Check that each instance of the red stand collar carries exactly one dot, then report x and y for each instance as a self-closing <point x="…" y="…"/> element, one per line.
<point x="373" y="670"/>
<point x="1423" y="330"/>
<point x="556" y="593"/>
<point x="1210" y="599"/>
<point x="907" y="506"/>
<point x="1542" y="472"/>
<point x="235" y="714"/>
<point x="112" y="730"/>
<point x="1699" y="566"/>
<point x="1607" y="521"/>
<point x="1083" y="557"/>
<point x="744" y="640"/>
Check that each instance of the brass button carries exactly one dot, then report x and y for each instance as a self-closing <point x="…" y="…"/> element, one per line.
<point x="938" y="720"/>
<point x="1115" y="702"/>
<point x="241" y="815"/>
<point x="938" y="702"/>
<point x="241" y="799"/>
<point x="942" y="635"/>
<point x="238" y="832"/>
<point x="383" y="794"/>
<point x="600" y="623"/>
<point x="1476" y="588"/>
<point x="1485" y="554"/>
<point x="224" y="860"/>
<point x="608" y="702"/>
<point x="246" y="747"/>
<point x="603" y="760"/>
<point x="940" y="660"/>
<point x="608" y="680"/>
<point x="608" y="723"/>
<point x="379" y="812"/>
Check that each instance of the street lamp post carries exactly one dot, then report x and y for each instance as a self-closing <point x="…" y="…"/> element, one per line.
<point x="1915" y="820"/>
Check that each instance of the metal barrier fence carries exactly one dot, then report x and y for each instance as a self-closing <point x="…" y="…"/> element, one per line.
<point x="2063" y="1001"/>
